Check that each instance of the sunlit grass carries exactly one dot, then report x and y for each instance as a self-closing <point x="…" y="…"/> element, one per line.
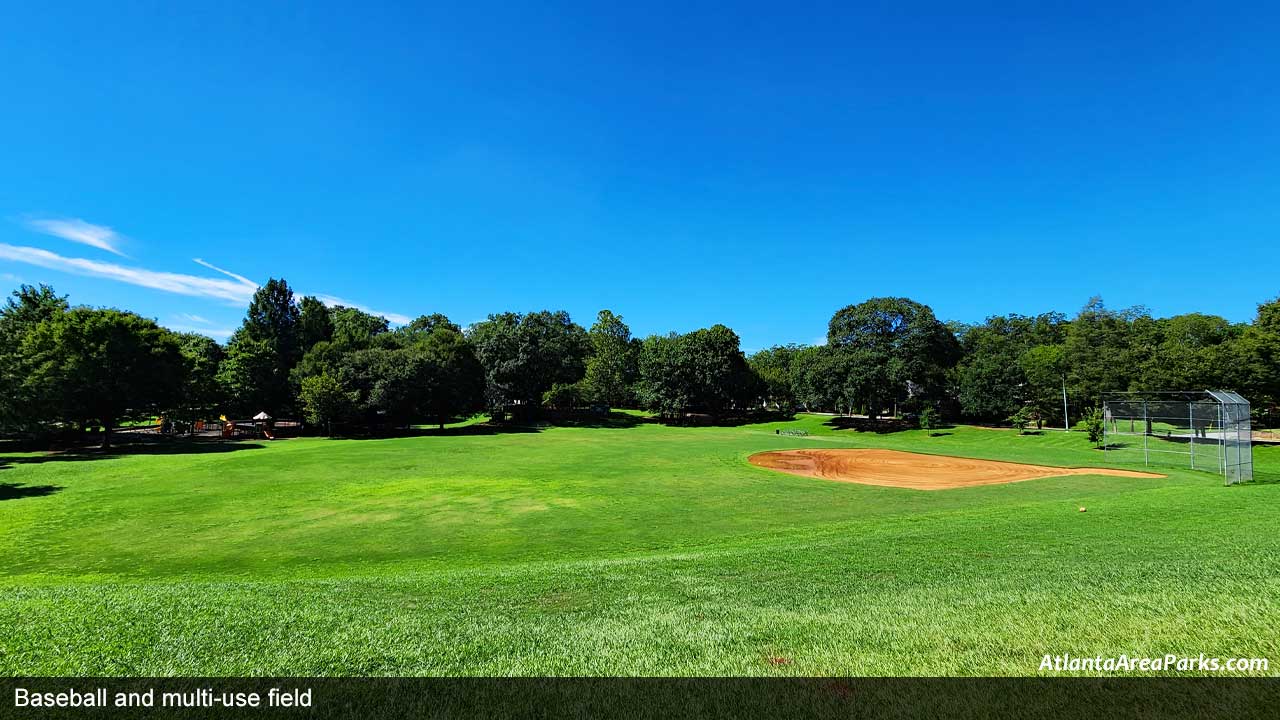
<point x="625" y="550"/>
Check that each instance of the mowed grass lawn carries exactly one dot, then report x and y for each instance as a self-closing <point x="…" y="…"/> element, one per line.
<point x="644" y="550"/>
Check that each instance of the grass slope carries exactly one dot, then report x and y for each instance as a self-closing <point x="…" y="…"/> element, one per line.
<point x="631" y="550"/>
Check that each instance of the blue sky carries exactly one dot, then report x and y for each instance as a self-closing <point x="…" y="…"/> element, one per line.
<point x="759" y="165"/>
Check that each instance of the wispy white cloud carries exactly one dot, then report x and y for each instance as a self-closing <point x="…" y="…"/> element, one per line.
<point x="393" y="318"/>
<point x="215" y="333"/>
<point x="79" y="231"/>
<point x="186" y="322"/>
<point x="238" y="290"/>
<point x="228" y="273"/>
<point x="10" y="277"/>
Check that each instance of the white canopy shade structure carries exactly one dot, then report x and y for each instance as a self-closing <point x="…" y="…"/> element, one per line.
<point x="262" y="416"/>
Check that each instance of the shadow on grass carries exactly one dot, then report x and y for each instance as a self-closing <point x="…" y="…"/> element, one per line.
<point x="14" y="491"/>
<point x="726" y="420"/>
<point x="464" y="431"/>
<point x="940" y="434"/>
<point x="157" y="446"/>
<point x="879" y="426"/>
<point x="1263" y="478"/>
<point x="614" y="420"/>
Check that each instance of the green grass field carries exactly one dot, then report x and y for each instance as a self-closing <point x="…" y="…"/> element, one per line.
<point x="643" y="550"/>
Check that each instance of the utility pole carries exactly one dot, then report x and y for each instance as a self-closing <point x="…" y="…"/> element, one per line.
<point x="1066" y="423"/>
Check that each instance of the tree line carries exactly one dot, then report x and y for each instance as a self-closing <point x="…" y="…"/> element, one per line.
<point x="64" y="369"/>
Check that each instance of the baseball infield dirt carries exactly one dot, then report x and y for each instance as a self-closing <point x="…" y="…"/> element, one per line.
<point x="894" y="468"/>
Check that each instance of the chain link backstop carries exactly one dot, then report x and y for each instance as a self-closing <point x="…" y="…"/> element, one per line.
<point x="1202" y="429"/>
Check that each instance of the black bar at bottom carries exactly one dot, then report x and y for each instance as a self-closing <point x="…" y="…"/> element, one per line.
<point x="658" y="698"/>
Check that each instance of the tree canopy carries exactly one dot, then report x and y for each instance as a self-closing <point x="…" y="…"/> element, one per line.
<point x="701" y="371"/>
<point x="102" y="366"/>
<point x="612" y="368"/>
<point x="66" y="369"/>
<point x="896" y="351"/>
<point x="524" y="355"/>
<point x="263" y="350"/>
<point x="25" y="310"/>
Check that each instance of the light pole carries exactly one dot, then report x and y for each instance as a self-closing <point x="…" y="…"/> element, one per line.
<point x="1066" y="422"/>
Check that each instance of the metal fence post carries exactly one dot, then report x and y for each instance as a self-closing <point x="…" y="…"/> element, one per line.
<point x="1146" y="431"/>
<point x="1191" y="417"/>
<point x="1222" y="446"/>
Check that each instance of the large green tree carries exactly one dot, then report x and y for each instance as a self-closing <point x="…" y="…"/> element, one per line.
<point x="315" y="323"/>
<point x="356" y="328"/>
<point x="90" y="365"/>
<point x="262" y="352"/>
<point x="249" y="376"/>
<point x="322" y="358"/>
<point x="325" y="401"/>
<point x="273" y="316"/>
<point x="612" y="369"/>
<point x="897" y="351"/>
<point x="1104" y="349"/>
<point x="1189" y="353"/>
<point x="992" y="381"/>
<point x="773" y="368"/>
<point x="1045" y="369"/>
<point x="424" y="325"/>
<point x="391" y="379"/>
<point x="201" y="394"/>
<point x="700" y="371"/>
<point x="349" y="329"/>
<point x="1255" y="357"/>
<point x="453" y="377"/>
<point x="722" y="379"/>
<point x="388" y="384"/>
<point x="28" y="307"/>
<point x="813" y="381"/>
<point x="523" y="355"/>
<point x="665" y="383"/>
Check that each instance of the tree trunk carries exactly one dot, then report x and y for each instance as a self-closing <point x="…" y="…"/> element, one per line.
<point x="106" y="433"/>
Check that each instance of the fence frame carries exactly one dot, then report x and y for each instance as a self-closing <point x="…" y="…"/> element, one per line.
<point x="1218" y="421"/>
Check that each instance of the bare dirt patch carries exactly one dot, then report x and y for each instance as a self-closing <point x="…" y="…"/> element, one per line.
<point x="894" y="468"/>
